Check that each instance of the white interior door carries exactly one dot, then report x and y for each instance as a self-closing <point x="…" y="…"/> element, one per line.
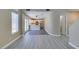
<point x="63" y="22"/>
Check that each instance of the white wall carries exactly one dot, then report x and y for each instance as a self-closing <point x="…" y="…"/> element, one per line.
<point x="48" y="23"/>
<point x="52" y="23"/>
<point x="74" y="33"/>
<point x="5" y="27"/>
<point x="73" y="21"/>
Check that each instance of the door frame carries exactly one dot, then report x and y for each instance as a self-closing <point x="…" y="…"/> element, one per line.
<point x="66" y="29"/>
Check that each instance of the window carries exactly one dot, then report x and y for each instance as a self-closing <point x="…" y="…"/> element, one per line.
<point x="26" y="24"/>
<point x="14" y="22"/>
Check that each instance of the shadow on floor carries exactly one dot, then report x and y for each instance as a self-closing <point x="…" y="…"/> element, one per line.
<point x="37" y="32"/>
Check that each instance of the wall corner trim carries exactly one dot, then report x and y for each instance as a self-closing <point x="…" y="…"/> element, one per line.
<point x="74" y="46"/>
<point x="5" y="46"/>
<point x="52" y="34"/>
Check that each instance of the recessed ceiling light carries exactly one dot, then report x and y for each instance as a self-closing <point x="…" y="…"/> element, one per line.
<point x="47" y="9"/>
<point x="27" y="9"/>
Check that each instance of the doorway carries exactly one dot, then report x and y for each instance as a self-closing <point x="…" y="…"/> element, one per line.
<point x="63" y="25"/>
<point x="26" y="25"/>
<point x="34" y="25"/>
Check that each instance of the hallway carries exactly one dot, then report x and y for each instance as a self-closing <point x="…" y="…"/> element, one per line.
<point x="39" y="41"/>
<point x="39" y="29"/>
<point x="37" y="32"/>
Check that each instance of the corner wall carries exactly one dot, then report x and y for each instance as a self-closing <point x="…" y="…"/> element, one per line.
<point x="74" y="29"/>
<point x="52" y="23"/>
<point x="5" y="27"/>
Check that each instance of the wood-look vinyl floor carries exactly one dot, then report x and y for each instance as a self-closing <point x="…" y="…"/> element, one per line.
<point x="30" y="41"/>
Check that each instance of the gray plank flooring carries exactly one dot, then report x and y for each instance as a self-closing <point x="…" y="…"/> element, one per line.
<point x="39" y="42"/>
<point x="37" y="32"/>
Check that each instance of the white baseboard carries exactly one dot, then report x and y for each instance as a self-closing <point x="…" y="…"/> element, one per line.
<point x="74" y="46"/>
<point x="52" y="34"/>
<point x="11" y="42"/>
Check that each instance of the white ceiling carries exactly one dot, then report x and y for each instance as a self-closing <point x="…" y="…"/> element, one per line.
<point x="41" y="13"/>
<point x="36" y="14"/>
<point x="40" y="9"/>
